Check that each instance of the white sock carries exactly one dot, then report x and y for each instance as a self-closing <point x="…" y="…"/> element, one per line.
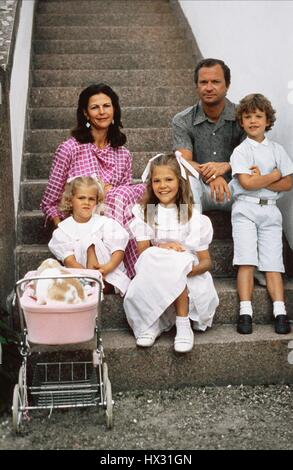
<point x="183" y="326"/>
<point x="245" y="308"/>
<point x="279" y="308"/>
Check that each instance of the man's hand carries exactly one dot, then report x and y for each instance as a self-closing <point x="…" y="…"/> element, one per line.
<point x="209" y="171"/>
<point x="220" y="191"/>
<point x="172" y="246"/>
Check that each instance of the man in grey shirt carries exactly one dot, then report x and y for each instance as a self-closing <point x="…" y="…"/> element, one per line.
<point x="207" y="134"/>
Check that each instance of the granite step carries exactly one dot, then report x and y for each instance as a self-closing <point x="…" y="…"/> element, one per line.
<point x="220" y="357"/>
<point x="97" y="6"/>
<point x="115" y="78"/>
<point x="55" y="97"/>
<point x="109" y="46"/>
<point x="124" y="18"/>
<point x="118" y="61"/>
<point x="140" y="32"/>
<point x="138" y="140"/>
<point x="37" y="165"/>
<point x="132" y="117"/>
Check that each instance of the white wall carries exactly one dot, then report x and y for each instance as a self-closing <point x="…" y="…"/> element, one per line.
<point x="255" y="39"/>
<point x="19" y="88"/>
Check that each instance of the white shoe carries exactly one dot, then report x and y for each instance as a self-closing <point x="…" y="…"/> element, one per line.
<point x="184" y="343"/>
<point x="146" y="340"/>
<point x="260" y="278"/>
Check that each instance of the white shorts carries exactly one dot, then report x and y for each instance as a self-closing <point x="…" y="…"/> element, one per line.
<point x="257" y="235"/>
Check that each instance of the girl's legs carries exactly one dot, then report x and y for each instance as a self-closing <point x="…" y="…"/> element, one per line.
<point x="245" y="285"/>
<point x="181" y="304"/>
<point x="92" y="260"/>
<point x="184" y="338"/>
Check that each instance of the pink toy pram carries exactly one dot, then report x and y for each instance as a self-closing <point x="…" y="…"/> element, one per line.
<point x="61" y="384"/>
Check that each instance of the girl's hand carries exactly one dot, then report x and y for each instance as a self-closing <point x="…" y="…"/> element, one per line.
<point x="172" y="246"/>
<point x="92" y="265"/>
<point x="105" y="269"/>
<point x="204" y="263"/>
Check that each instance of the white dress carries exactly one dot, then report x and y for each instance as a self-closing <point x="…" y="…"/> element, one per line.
<point x="107" y="235"/>
<point x="161" y="274"/>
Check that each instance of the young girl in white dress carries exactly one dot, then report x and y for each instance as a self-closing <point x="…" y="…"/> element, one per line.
<point x="87" y="239"/>
<point x="172" y="283"/>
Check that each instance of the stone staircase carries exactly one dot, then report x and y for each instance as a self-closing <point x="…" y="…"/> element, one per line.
<point x="140" y="49"/>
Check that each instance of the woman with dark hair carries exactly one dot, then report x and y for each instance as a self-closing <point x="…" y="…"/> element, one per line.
<point x="96" y="148"/>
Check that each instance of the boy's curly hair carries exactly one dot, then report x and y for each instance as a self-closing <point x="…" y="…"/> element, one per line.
<point x="255" y="101"/>
<point x="71" y="188"/>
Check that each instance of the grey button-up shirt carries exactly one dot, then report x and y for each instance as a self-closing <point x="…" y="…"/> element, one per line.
<point x="207" y="140"/>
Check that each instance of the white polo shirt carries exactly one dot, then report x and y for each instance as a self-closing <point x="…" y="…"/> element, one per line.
<point x="266" y="155"/>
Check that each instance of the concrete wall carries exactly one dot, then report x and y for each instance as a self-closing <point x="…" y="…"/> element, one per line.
<point x="256" y="40"/>
<point x="19" y="89"/>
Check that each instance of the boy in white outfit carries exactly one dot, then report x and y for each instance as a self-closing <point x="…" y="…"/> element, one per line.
<point x="261" y="171"/>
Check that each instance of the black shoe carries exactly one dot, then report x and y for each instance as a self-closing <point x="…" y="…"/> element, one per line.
<point x="282" y="325"/>
<point x="244" y="324"/>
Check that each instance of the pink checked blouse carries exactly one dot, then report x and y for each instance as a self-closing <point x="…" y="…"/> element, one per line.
<point x="112" y="166"/>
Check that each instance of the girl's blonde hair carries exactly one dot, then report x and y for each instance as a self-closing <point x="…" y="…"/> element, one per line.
<point x="184" y="195"/>
<point x="72" y="187"/>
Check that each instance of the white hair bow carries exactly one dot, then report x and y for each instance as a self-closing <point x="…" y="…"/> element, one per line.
<point x="183" y="164"/>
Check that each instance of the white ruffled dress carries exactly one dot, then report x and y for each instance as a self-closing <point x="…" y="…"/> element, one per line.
<point x="107" y="235"/>
<point x="161" y="274"/>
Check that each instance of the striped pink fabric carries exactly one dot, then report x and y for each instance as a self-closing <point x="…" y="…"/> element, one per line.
<point x="112" y="166"/>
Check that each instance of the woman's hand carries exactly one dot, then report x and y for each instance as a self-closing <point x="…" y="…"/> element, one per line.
<point x="107" y="187"/>
<point x="172" y="246"/>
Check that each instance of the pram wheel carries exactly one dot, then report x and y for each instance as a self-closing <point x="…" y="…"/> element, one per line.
<point x="16" y="412"/>
<point x="108" y="397"/>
